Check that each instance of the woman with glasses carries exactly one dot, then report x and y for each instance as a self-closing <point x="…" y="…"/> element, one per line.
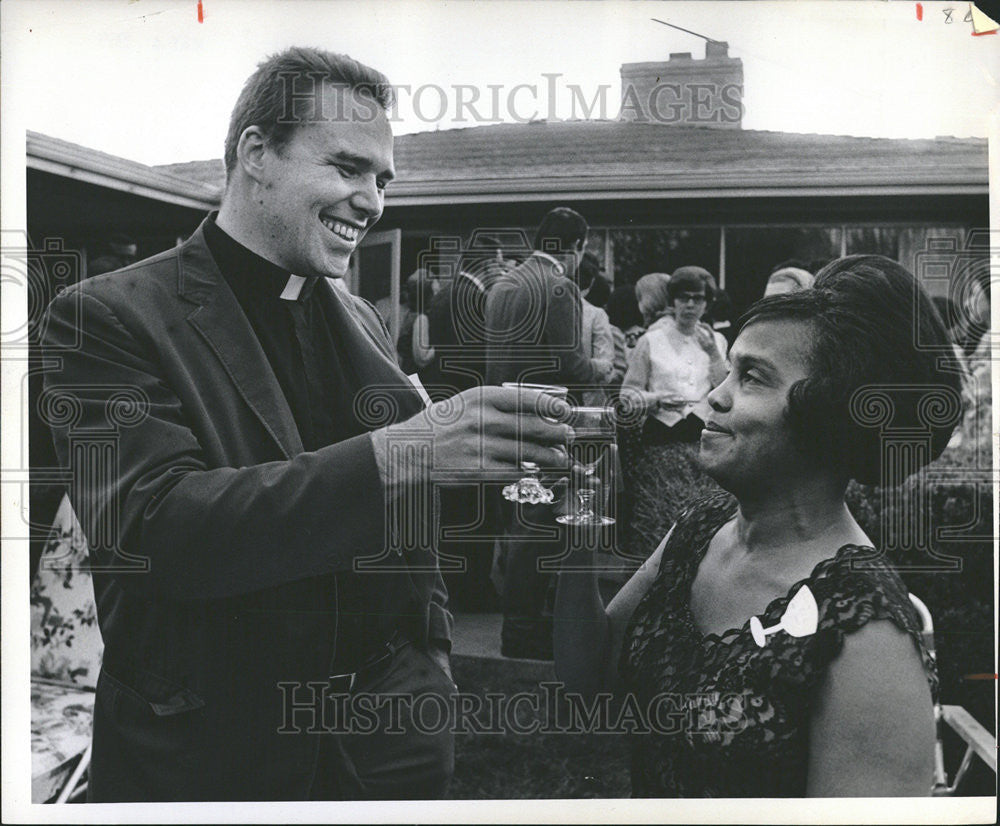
<point x="674" y="366"/>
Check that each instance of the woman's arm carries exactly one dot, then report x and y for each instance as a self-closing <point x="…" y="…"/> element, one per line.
<point x="871" y="733"/>
<point x="714" y="344"/>
<point x="423" y="353"/>
<point x="637" y="375"/>
<point x="587" y="637"/>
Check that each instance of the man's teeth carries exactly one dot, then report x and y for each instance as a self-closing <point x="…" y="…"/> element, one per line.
<point x="345" y="231"/>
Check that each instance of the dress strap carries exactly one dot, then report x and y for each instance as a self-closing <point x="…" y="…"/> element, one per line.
<point x="850" y="594"/>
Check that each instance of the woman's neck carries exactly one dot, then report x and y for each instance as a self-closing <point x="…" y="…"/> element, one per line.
<point x="685" y="327"/>
<point x="796" y="517"/>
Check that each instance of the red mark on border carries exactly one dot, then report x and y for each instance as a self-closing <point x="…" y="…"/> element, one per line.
<point x="920" y="11"/>
<point x="983" y="34"/>
<point x="981" y="676"/>
<point x="201" y="13"/>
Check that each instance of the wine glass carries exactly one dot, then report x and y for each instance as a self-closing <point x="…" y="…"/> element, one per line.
<point x="529" y="489"/>
<point x="594" y="429"/>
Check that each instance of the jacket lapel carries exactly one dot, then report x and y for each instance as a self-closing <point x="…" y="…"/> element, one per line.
<point x="219" y="319"/>
<point x="368" y="352"/>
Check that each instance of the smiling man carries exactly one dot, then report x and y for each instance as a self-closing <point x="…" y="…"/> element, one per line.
<point x="249" y="575"/>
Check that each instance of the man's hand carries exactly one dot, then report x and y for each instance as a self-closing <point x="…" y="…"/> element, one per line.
<point x="483" y="433"/>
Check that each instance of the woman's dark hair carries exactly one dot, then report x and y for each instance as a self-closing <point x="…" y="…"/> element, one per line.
<point x="419" y="291"/>
<point x="877" y="343"/>
<point x="691" y="279"/>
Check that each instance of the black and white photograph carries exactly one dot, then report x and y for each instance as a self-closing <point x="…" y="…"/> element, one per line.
<point x="499" y="411"/>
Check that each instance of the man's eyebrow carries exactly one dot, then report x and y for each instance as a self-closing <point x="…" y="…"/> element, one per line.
<point x="749" y="360"/>
<point x="361" y="162"/>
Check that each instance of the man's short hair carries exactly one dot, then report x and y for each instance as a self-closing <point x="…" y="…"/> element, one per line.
<point x="279" y="95"/>
<point x="560" y="231"/>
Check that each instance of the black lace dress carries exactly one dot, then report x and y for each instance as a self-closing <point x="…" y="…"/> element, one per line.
<point x="725" y="717"/>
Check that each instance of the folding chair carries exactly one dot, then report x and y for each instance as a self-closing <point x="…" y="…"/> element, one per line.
<point x="978" y="741"/>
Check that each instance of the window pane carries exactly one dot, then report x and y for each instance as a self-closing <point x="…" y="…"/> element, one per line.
<point x="873" y="241"/>
<point x="753" y="253"/>
<point x="640" y="251"/>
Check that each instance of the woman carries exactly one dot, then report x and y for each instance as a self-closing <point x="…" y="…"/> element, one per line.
<point x="845" y="708"/>
<point x="673" y="368"/>
<point x="652" y="295"/>
<point x="788" y="280"/>
<point x="413" y="347"/>
<point x="623" y="313"/>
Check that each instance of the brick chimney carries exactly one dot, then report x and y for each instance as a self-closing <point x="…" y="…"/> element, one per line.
<point x="685" y="91"/>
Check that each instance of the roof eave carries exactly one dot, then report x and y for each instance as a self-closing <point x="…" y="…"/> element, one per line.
<point x="69" y="161"/>
<point x="495" y="190"/>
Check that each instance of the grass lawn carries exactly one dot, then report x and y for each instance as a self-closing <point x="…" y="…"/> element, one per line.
<point x="507" y="765"/>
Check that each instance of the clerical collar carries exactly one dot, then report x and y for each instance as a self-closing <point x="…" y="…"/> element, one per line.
<point x="236" y="260"/>
<point x="560" y="268"/>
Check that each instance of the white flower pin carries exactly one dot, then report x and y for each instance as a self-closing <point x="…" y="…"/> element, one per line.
<point x="801" y="618"/>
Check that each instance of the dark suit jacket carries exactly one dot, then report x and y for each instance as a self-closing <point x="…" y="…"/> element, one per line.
<point x="187" y="461"/>
<point x="533" y="328"/>
<point x="455" y="325"/>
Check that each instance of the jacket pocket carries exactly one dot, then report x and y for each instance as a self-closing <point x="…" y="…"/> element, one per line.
<point x="161" y="696"/>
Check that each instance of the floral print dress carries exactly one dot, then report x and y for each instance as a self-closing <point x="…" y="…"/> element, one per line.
<point x="724" y="716"/>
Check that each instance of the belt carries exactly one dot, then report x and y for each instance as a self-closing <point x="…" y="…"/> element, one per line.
<point x="374" y="664"/>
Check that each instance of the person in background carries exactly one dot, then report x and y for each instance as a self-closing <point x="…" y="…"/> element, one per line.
<point x="120" y="251"/>
<point x="766" y="611"/>
<point x="533" y="313"/>
<point x="456" y="323"/>
<point x="534" y="335"/>
<point x="676" y="364"/>
<point x="652" y="295"/>
<point x="413" y="349"/>
<point x="788" y="280"/>
<point x="600" y="291"/>
<point x="720" y="316"/>
<point x="623" y="313"/>
<point x="971" y="334"/>
<point x="450" y="349"/>
<point x="973" y="303"/>
<point x="596" y="332"/>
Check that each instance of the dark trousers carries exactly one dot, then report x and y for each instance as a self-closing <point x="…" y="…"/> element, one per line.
<point x="467" y="534"/>
<point x="400" y="758"/>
